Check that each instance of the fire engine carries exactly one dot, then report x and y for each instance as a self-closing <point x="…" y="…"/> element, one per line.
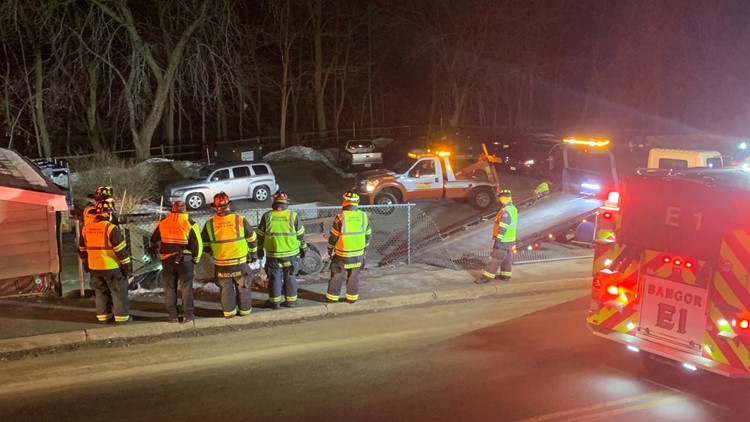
<point x="671" y="268"/>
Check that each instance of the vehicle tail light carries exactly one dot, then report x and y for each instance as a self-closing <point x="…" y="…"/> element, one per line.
<point x="613" y="290"/>
<point x="744" y="324"/>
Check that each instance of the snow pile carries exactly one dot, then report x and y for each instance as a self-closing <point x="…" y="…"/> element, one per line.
<point x="157" y="160"/>
<point x="296" y="153"/>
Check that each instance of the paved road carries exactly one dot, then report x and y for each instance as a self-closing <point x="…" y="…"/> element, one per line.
<point x="527" y="359"/>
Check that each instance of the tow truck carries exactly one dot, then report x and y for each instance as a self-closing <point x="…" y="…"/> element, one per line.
<point x="588" y="172"/>
<point x="427" y="174"/>
<point x="670" y="269"/>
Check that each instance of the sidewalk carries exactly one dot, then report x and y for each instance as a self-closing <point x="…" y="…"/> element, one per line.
<point x="42" y="322"/>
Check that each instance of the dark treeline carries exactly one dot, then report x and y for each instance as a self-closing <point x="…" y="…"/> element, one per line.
<point x="90" y="75"/>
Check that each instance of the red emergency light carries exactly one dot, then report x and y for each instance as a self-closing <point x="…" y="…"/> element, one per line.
<point x="678" y="262"/>
<point x="607" y="215"/>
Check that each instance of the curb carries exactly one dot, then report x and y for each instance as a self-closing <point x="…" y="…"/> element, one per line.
<point x="153" y="329"/>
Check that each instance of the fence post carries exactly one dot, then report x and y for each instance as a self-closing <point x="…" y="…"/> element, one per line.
<point x="408" y="234"/>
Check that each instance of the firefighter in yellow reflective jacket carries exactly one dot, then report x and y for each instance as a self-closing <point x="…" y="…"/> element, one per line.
<point x="178" y="243"/>
<point x="504" y="239"/>
<point x="104" y="253"/>
<point x="347" y="244"/>
<point x="281" y="238"/>
<point x="232" y="244"/>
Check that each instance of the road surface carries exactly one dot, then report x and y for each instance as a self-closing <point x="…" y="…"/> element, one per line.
<point x="519" y="359"/>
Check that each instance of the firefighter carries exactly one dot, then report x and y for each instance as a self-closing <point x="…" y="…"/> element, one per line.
<point x="281" y="238"/>
<point x="104" y="253"/>
<point x="504" y="238"/>
<point x="232" y="243"/>
<point x="542" y="189"/>
<point x="347" y="244"/>
<point x="102" y="193"/>
<point x="178" y="243"/>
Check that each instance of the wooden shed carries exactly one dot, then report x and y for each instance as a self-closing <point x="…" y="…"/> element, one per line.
<point x="30" y="206"/>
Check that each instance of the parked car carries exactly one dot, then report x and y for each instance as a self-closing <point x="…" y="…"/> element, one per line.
<point x="253" y="180"/>
<point x="362" y="152"/>
<point x="532" y="154"/>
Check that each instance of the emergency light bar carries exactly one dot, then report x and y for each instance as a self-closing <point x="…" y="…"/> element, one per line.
<point x="592" y="142"/>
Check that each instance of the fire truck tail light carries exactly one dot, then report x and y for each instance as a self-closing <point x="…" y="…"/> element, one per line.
<point x="667" y="260"/>
<point x="677" y="262"/>
<point x="613" y="290"/>
<point x="744" y="324"/>
<point x="688" y="264"/>
<point x="607" y="215"/>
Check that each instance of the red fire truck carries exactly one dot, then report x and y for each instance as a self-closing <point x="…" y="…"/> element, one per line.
<point x="671" y="273"/>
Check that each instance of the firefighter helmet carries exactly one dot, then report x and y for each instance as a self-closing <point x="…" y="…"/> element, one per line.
<point x="505" y="192"/>
<point x="280" y="197"/>
<point x="105" y="207"/>
<point x="221" y="200"/>
<point x="178" y="206"/>
<point x="101" y="193"/>
<point x="350" y="198"/>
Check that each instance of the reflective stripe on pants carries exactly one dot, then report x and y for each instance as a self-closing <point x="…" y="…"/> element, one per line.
<point x="339" y="266"/>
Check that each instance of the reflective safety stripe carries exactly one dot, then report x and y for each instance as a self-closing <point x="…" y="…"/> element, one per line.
<point x="291" y="298"/>
<point x="506" y="273"/>
<point x="233" y="312"/>
<point x="281" y="238"/>
<point x="510" y="228"/>
<point x="105" y="317"/>
<point x="488" y="274"/>
<point x="228" y="243"/>
<point x="101" y="254"/>
<point x="120" y="318"/>
<point x="332" y="297"/>
<point x="247" y="312"/>
<point x="175" y="229"/>
<point x="276" y="299"/>
<point x="351" y="297"/>
<point x="354" y="230"/>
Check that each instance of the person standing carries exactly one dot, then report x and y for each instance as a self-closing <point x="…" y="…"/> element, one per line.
<point x="104" y="253"/>
<point x="232" y="244"/>
<point x="347" y="244"/>
<point x="281" y="238"/>
<point x="504" y="239"/>
<point x="178" y="243"/>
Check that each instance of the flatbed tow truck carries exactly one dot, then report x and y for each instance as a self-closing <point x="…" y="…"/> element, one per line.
<point x="555" y="216"/>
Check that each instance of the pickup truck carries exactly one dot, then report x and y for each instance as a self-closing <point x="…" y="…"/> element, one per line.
<point x="429" y="175"/>
<point x="362" y="153"/>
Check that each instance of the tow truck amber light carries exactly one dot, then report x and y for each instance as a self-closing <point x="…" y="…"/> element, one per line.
<point x="613" y="290"/>
<point x="592" y="142"/>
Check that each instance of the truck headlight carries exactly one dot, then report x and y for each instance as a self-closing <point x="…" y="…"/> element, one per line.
<point x="528" y="163"/>
<point x="591" y="186"/>
<point x="371" y="185"/>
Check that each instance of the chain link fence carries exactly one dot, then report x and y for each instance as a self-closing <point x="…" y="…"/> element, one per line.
<point x="400" y="235"/>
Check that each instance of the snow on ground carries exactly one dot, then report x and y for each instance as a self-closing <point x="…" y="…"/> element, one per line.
<point x="327" y="156"/>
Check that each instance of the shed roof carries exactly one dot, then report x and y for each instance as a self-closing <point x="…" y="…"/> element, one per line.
<point x="22" y="181"/>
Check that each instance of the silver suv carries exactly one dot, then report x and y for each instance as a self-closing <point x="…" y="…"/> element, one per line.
<point x="254" y="181"/>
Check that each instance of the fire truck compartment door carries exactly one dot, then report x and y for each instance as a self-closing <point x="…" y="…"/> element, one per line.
<point x="673" y="314"/>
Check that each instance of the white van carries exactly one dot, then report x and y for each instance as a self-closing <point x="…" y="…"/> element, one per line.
<point x="677" y="159"/>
